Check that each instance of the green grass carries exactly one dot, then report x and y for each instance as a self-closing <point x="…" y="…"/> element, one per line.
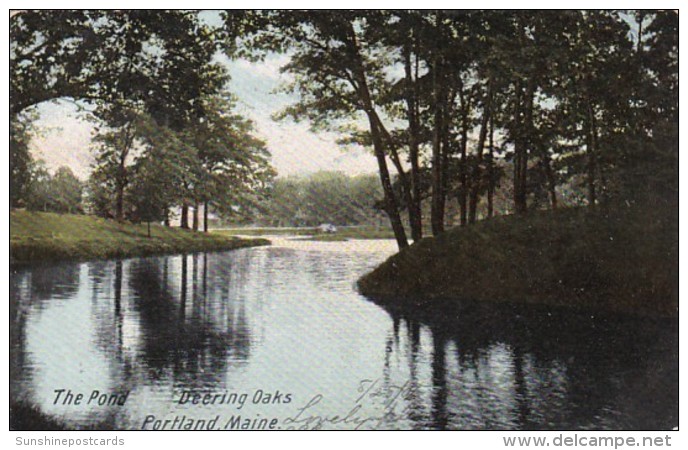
<point x="313" y="234"/>
<point x="623" y="259"/>
<point x="36" y="236"/>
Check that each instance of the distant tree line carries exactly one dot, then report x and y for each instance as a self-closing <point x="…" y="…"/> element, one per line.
<point x="319" y="198"/>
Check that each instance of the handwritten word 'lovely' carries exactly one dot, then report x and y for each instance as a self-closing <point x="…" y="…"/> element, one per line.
<point x="388" y="400"/>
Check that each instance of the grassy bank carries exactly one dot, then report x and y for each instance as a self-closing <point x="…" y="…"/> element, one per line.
<point x="314" y="234"/>
<point x="38" y="236"/>
<point x="623" y="259"/>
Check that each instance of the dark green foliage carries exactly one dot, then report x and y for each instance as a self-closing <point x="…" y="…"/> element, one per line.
<point x="159" y="58"/>
<point x="60" y="193"/>
<point x="20" y="161"/>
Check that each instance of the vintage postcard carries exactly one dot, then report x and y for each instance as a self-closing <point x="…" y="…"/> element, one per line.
<point x="344" y="220"/>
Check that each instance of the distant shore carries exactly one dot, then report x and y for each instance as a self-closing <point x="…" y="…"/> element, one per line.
<point x="622" y="259"/>
<point x="315" y="233"/>
<point x="37" y="236"/>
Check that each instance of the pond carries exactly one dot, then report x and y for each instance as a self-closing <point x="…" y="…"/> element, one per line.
<point x="277" y="337"/>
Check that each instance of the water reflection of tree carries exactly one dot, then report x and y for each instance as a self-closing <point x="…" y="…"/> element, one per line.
<point x="31" y="288"/>
<point x="530" y="369"/>
<point x="51" y="282"/>
<point x="179" y="332"/>
<point x="19" y="303"/>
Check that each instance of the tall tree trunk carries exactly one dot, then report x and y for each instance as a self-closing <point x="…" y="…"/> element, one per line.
<point x="477" y="173"/>
<point x="436" y="221"/>
<point x="363" y="91"/>
<point x="195" y="217"/>
<point x="592" y="157"/>
<point x="524" y="129"/>
<point x="490" y="171"/>
<point x="119" y="201"/>
<point x="415" y="214"/>
<point x="184" y="220"/>
<point x="391" y="206"/>
<point x="205" y="216"/>
<point x="121" y="181"/>
<point x="528" y="130"/>
<point x="439" y="99"/>
<point x="446" y="150"/>
<point x="463" y="169"/>
<point x="551" y="181"/>
<point x="387" y="143"/>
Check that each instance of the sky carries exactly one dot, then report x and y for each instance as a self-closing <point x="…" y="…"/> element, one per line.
<point x="64" y="136"/>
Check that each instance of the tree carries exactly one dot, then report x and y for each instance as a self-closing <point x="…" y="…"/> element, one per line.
<point x="60" y="193"/>
<point x="233" y="165"/>
<point x="149" y="193"/>
<point x="66" y="191"/>
<point x="113" y="149"/>
<point x="39" y="195"/>
<point x="20" y="160"/>
<point x="107" y="56"/>
<point x="336" y="67"/>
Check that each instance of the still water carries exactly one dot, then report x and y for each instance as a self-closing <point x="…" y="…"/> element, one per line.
<point x="280" y="333"/>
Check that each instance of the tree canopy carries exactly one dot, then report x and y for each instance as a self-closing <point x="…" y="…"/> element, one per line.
<point x="450" y="103"/>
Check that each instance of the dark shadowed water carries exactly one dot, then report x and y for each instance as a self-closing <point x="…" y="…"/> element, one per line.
<point x="279" y="333"/>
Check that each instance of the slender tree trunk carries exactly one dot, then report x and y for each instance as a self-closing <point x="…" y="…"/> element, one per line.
<point x="436" y="221"/>
<point x="387" y="143"/>
<point x="463" y="169"/>
<point x="195" y="217"/>
<point x="446" y="150"/>
<point x="528" y="130"/>
<point x="524" y="123"/>
<point x="439" y="100"/>
<point x="205" y="216"/>
<point x="391" y="206"/>
<point x="167" y="217"/>
<point x="592" y="157"/>
<point x="490" y="172"/>
<point x="184" y="217"/>
<point x="361" y="87"/>
<point x="551" y="181"/>
<point x="477" y="173"/>
<point x="415" y="214"/>
<point x="121" y="181"/>
<point x="518" y="146"/>
<point x="149" y="234"/>
<point x="119" y="202"/>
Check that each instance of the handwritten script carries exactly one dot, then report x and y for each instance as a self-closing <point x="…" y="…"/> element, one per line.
<point x="390" y="403"/>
